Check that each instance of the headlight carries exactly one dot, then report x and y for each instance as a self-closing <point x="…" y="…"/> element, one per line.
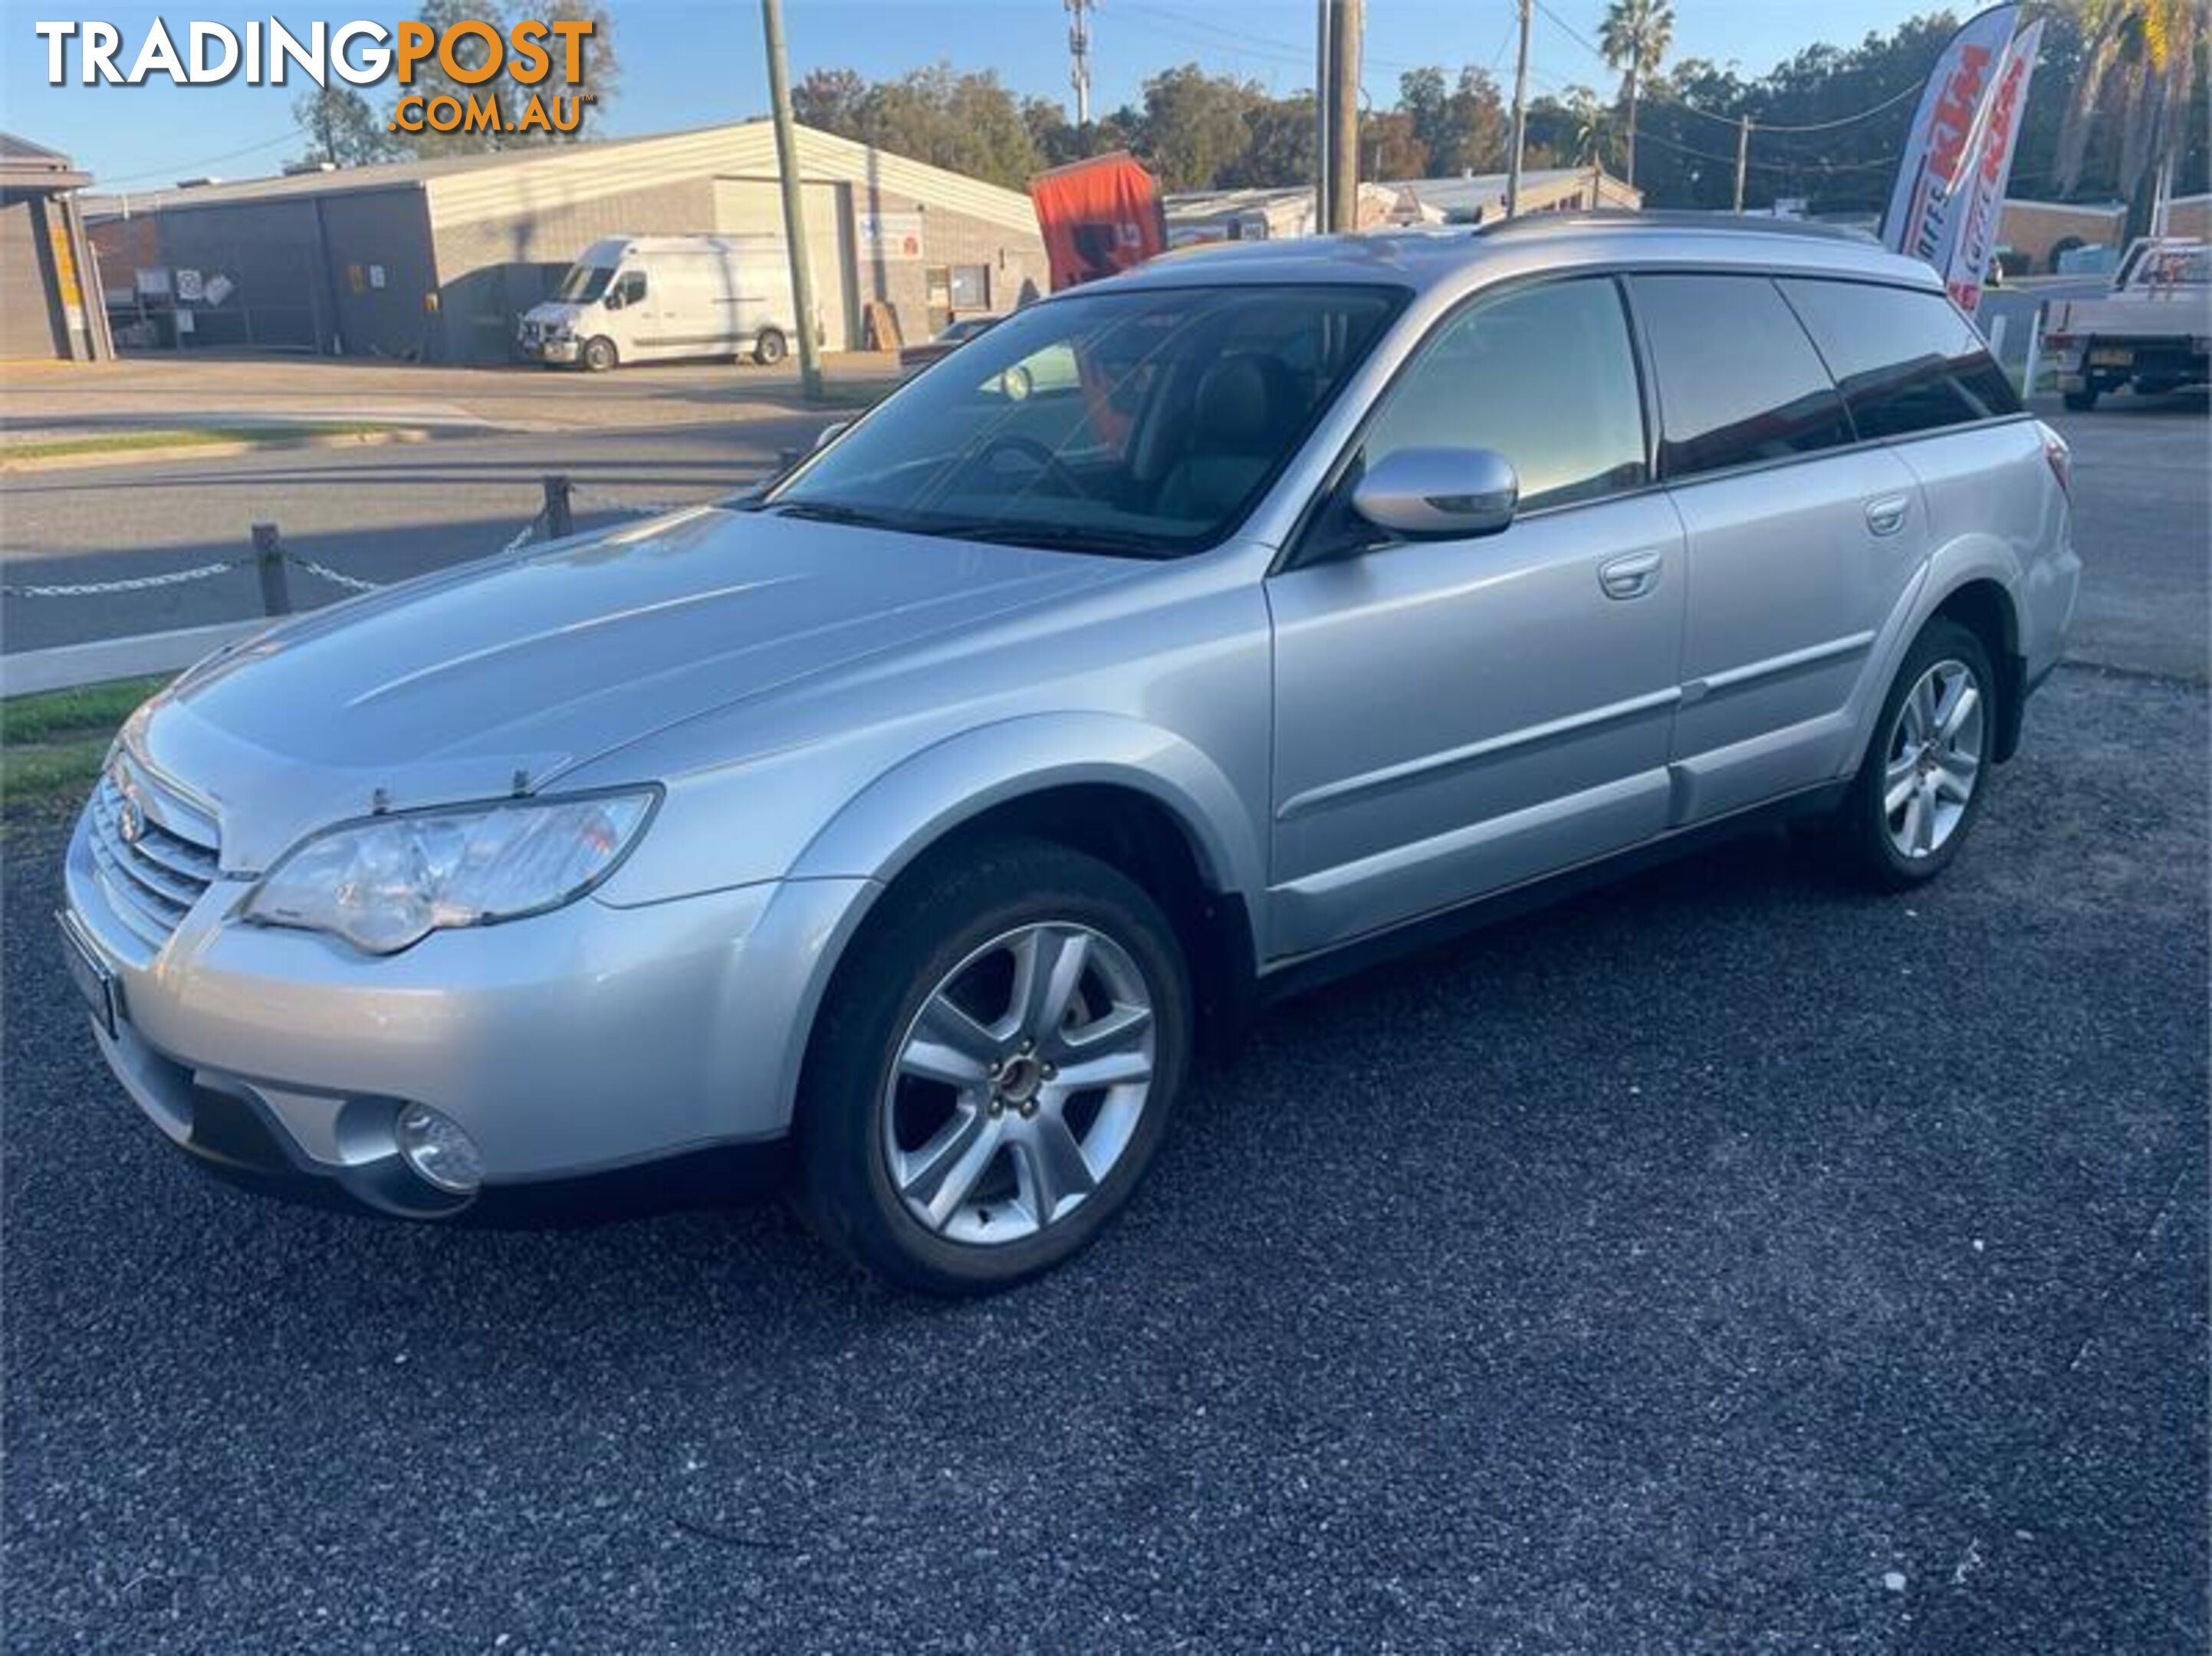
<point x="389" y="882"/>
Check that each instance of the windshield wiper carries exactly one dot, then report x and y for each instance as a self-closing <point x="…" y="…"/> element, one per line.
<point x="828" y="512"/>
<point x="1051" y="537"/>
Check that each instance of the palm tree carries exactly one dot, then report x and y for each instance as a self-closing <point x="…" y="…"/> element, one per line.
<point x="1635" y="39"/>
<point x="2140" y="66"/>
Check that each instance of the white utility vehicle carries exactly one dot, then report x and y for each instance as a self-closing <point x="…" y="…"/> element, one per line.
<point x="2151" y="331"/>
<point x="658" y="299"/>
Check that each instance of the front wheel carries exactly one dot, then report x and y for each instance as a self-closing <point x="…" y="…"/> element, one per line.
<point x="769" y="348"/>
<point x="994" y="1069"/>
<point x="599" y="355"/>
<point x="1921" y="786"/>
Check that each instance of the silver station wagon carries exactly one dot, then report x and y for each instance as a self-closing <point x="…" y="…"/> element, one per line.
<point x="900" y="826"/>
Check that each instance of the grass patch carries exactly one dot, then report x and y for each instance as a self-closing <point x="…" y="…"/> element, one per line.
<point x="124" y="442"/>
<point x="50" y="745"/>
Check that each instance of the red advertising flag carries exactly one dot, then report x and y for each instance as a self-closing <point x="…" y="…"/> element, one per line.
<point x="1099" y="217"/>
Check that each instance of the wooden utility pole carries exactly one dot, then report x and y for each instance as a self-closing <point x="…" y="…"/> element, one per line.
<point x="1520" y="115"/>
<point x="1338" y="95"/>
<point x="1322" y="43"/>
<point x="1742" y="156"/>
<point x="794" y="200"/>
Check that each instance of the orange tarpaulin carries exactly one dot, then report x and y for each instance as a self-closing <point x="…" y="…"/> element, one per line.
<point x="1099" y="217"/>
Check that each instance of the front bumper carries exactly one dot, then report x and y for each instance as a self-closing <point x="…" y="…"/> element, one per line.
<point x="548" y="348"/>
<point x="583" y="1042"/>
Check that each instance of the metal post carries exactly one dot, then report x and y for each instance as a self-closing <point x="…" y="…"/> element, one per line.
<point x="1346" y="22"/>
<point x="1322" y="209"/>
<point x="1520" y="116"/>
<point x="2034" y="354"/>
<point x="794" y="204"/>
<point x="268" y="564"/>
<point x="560" y="518"/>
<point x="1742" y="156"/>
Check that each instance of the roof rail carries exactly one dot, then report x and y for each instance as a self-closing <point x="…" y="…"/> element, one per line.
<point x="1671" y="219"/>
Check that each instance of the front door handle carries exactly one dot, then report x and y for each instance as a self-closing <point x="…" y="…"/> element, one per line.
<point x="1886" y="514"/>
<point x="1630" y="577"/>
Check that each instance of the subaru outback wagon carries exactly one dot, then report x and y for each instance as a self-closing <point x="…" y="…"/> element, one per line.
<point x="1183" y="637"/>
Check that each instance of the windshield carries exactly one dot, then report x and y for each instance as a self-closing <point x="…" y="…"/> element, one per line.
<point x="584" y="283"/>
<point x="1144" y="422"/>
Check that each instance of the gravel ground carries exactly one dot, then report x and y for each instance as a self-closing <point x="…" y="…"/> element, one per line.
<point x="1728" y="1262"/>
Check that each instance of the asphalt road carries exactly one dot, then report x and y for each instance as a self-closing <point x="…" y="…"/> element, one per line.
<point x="1726" y="1262"/>
<point x="379" y="514"/>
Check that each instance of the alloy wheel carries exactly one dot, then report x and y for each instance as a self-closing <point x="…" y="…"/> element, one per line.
<point x="1933" y="760"/>
<point x="1019" y="1083"/>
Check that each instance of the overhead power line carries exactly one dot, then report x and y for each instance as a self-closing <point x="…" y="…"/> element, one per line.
<point x="185" y="169"/>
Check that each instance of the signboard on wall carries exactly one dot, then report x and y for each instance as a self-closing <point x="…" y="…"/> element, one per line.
<point x="889" y="235"/>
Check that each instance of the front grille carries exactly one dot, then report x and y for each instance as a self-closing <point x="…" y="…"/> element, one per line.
<point x="151" y="880"/>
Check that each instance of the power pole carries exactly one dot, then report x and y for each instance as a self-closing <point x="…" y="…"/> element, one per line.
<point x="1323" y="45"/>
<point x="1078" y="59"/>
<point x="1742" y="156"/>
<point x="1520" y="114"/>
<point x="794" y="200"/>
<point x="1346" y="24"/>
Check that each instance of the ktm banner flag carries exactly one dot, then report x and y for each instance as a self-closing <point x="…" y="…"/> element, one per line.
<point x="1099" y="217"/>
<point x="1951" y="184"/>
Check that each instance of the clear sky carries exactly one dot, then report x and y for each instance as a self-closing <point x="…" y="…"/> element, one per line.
<point x="690" y="63"/>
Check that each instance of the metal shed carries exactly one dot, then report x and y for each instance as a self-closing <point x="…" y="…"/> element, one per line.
<point x="433" y="260"/>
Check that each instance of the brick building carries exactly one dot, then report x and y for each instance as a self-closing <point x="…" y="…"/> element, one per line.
<point x="433" y="260"/>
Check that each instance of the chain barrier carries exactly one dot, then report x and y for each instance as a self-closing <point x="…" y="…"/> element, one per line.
<point x="134" y="584"/>
<point x="538" y="524"/>
<point x="350" y="583"/>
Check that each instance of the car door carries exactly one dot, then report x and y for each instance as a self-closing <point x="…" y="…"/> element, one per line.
<point x="1803" y="544"/>
<point x="1456" y="716"/>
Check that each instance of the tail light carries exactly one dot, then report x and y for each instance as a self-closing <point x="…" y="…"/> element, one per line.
<point x="2059" y="457"/>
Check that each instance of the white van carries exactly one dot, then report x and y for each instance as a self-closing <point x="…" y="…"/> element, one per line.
<point x="656" y="299"/>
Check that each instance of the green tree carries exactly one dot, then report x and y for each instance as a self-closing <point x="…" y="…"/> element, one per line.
<point x="965" y="123"/>
<point x="2143" y="61"/>
<point x="1634" y="40"/>
<point x="1195" y="125"/>
<point x="341" y="129"/>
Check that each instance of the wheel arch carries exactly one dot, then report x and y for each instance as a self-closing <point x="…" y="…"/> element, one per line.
<point x="1138" y="798"/>
<point x="1985" y="606"/>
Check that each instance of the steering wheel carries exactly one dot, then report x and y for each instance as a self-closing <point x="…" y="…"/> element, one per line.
<point x="1049" y="465"/>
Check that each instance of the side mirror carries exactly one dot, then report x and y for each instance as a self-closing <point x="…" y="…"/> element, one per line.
<point x="830" y="433"/>
<point x="614" y="299"/>
<point x="1439" y="494"/>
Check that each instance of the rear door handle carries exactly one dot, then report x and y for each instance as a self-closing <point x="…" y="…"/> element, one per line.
<point x="1886" y="514"/>
<point x="1630" y="577"/>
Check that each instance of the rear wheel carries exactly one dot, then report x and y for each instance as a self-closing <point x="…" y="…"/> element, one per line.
<point x="2081" y="401"/>
<point x="995" y="1070"/>
<point x="769" y="348"/>
<point x="1921" y="786"/>
<point x="599" y="355"/>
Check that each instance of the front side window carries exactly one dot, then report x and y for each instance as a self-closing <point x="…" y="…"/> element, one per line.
<point x="1144" y="422"/>
<point x="1907" y="360"/>
<point x="1739" y="381"/>
<point x="631" y="288"/>
<point x="1546" y="376"/>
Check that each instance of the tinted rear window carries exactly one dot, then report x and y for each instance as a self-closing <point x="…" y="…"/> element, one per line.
<point x="1907" y="360"/>
<point x="1739" y="382"/>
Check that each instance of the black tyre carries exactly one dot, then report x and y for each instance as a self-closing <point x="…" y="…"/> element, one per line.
<point x="1921" y="786"/>
<point x="994" y="1068"/>
<point x="2081" y="401"/>
<point x="769" y="348"/>
<point x="599" y="355"/>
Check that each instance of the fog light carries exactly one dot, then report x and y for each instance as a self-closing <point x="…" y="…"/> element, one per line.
<point x="435" y="1146"/>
